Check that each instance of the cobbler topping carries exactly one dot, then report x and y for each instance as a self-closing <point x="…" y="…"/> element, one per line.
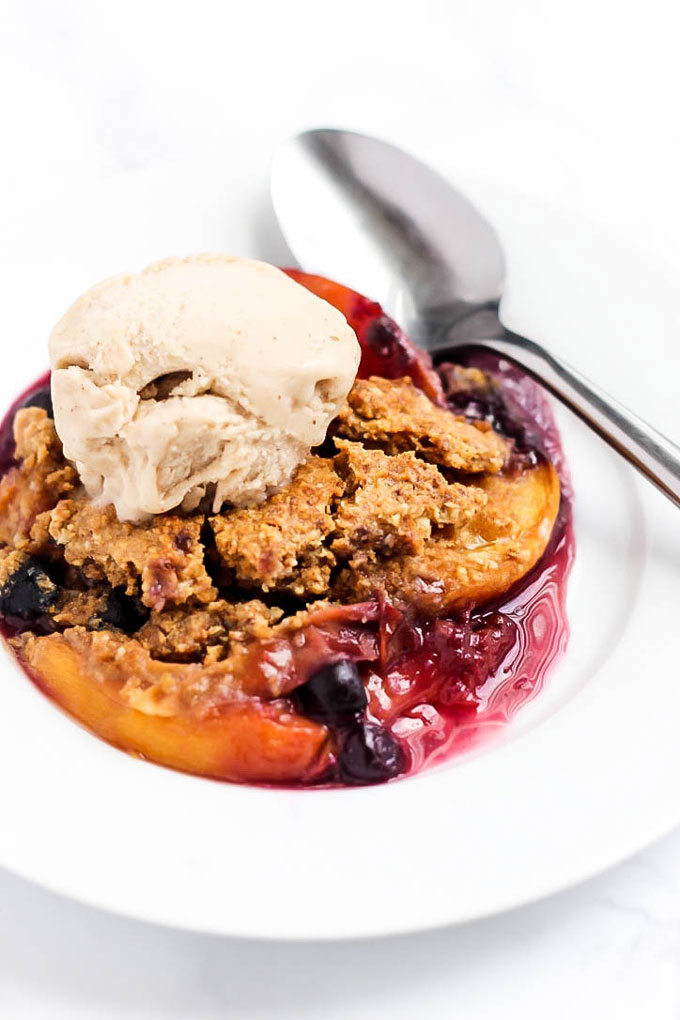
<point x="392" y="503"/>
<point x="403" y="591"/>
<point x="281" y="543"/>
<point x="359" y="505"/>
<point x="179" y="636"/>
<point x="474" y="563"/>
<point x="396" y="416"/>
<point x="37" y="481"/>
<point x="39" y="395"/>
<point x="164" y="557"/>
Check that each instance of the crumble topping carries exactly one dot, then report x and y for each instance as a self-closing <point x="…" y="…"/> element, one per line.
<point x="475" y="563"/>
<point x="147" y="684"/>
<point x="392" y="503"/>
<point x="182" y="678"/>
<point x="464" y="379"/>
<point x="279" y="544"/>
<point x="177" y="635"/>
<point x="79" y="608"/>
<point x="39" y="479"/>
<point x="11" y="561"/>
<point x="166" y="554"/>
<point x="394" y="415"/>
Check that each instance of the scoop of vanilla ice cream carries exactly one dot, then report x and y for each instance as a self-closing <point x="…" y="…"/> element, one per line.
<point x="207" y="374"/>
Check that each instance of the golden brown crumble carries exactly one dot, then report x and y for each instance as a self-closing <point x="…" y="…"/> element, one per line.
<point x="165" y="555"/>
<point x="396" y="416"/>
<point x="78" y="608"/>
<point x="11" y="560"/>
<point x="461" y="379"/>
<point x="150" y="685"/>
<point x="39" y="479"/>
<point x="360" y="504"/>
<point x="278" y="545"/>
<point x="176" y="634"/>
<point x="475" y="563"/>
<point x="392" y="503"/>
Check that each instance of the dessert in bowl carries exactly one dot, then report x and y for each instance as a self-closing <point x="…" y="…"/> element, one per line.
<point x="250" y="531"/>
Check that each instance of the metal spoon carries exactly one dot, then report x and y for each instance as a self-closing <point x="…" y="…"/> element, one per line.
<point x="368" y="214"/>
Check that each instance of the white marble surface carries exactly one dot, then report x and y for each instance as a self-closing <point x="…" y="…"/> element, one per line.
<point x="575" y="101"/>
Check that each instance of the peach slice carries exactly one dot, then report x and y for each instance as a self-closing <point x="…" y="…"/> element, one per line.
<point x="240" y="739"/>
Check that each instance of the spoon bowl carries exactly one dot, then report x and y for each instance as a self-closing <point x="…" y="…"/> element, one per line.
<point x="376" y="218"/>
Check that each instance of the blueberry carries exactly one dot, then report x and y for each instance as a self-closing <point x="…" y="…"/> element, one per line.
<point x="383" y="336"/>
<point x="503" y="414"/>
<point x="125" y="612"/>
<point x="39" y="397"/>
<point x="28" y="593"/>
<point x="333" y="693"/>
<point x="370" y="754"/>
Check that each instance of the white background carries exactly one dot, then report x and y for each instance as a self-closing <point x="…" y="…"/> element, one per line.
<point x="578" y="102"/>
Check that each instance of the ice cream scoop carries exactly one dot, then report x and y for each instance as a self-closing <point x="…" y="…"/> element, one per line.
<point x="200" y="376"/>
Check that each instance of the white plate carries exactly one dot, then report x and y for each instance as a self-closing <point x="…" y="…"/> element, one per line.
<point x="588" y="774"/>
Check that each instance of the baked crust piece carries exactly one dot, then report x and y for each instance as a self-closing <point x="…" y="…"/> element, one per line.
<point x="279" y="545"/>
<point x="164" y="556"/>
<point x="249" y="632"/>
<point x="145" y="683"/>
<point x="360" y="504"/>
<point x="11" y="560"/>
<point x="394" y="415"/>
<point x="392" y="504"/>
<point x="473" y="564"/>
<point x="79" y="608"/>
<point x="206" y="633"/>
<point x="463" y="379"/>
<point x="39" y="479"/>
<point x="380" y="518"/>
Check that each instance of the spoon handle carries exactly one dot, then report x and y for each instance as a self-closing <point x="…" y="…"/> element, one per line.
<point x="652" y="453"/>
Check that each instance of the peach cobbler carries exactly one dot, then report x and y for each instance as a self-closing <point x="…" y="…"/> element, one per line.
<point x="315" y="559"/>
